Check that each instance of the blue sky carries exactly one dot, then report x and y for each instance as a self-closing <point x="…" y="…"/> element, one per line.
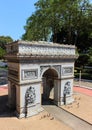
<point x="13" y="16"/>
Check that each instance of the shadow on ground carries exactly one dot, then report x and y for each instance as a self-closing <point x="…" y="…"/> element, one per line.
<point x="48" y="102"/>
<point x="4" y="109"/>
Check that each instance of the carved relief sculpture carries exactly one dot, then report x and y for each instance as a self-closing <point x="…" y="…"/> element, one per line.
<point x="30" y="96"/>
<point x="67" y="88"/>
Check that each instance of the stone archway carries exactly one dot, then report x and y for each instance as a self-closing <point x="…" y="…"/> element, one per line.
<point x="49" y="79"/>
<point x="28" y="64"/>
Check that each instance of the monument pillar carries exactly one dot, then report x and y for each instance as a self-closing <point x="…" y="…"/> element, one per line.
<point x="57" y="88"/>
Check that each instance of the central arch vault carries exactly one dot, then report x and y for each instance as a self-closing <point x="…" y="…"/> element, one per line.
<point x="50" y="85"/>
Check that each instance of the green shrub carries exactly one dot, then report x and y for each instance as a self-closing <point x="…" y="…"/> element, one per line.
<point x="2" y="53"/>
<point x="84" y="76"/>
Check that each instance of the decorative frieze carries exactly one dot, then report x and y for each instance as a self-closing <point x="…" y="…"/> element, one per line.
<point x="40" y="48"/>
<point x="29" y="74"/>
<point x="45" y="50"/>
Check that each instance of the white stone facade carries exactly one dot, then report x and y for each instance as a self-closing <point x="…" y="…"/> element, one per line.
<point x="34" y="66"/>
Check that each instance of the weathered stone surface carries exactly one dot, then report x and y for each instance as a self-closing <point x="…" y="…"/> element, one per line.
<point x="39" y="48"/>
<point x="35" y="70"/>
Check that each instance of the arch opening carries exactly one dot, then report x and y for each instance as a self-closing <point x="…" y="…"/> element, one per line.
<point x="48" y="86"/>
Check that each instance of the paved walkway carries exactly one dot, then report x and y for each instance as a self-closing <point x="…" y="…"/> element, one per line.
<point x="3" y="88"/>
<point x="69" y="119"/>
<point x="83" y="90"/>
<point x="74" y="122"/>
<point x="84" y="83"/>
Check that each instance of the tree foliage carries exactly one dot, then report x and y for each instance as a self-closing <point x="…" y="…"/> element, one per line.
<point x="5" y="40"/>
<point x="2" y="53"/>
<point x="90" y="56"/>
<point x="69" y="22"/>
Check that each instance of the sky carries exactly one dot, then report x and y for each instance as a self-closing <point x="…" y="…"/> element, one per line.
<point x="13" y="16"/>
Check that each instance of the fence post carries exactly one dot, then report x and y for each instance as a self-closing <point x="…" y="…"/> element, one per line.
<point x="80" y="79"/>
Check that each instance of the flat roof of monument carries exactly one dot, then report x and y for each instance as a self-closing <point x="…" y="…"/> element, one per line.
<point x="42" y="43"/>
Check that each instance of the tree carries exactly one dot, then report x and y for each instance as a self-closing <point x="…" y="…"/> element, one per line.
<point x="82" y="60"/>
<point x="68" y="21"/>
<point x="90" y="56"/>
<point x="37" y="26"/>
<point x="5" y="40"/>
<point x="2" y="53"/>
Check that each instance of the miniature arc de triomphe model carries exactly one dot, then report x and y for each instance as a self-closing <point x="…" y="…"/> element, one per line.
<point x="35" y="69"/>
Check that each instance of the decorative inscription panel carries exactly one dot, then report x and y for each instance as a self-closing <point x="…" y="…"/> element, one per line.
<point x="29" y="74"/>
<point x="67" y="70"/>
